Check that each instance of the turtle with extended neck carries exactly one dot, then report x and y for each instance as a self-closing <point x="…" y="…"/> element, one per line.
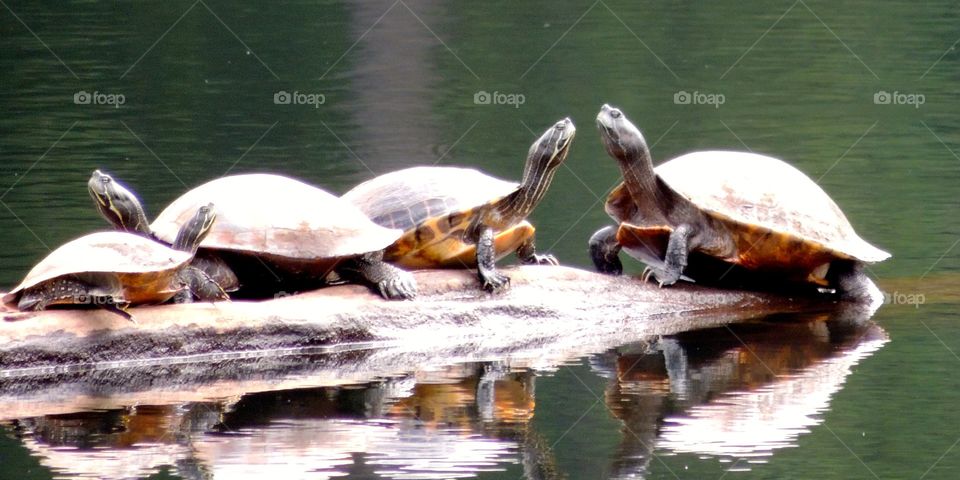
<point x="462" y="218"/>
<point x="123" y="209"/>
<point x="750" y="211"/>
<point x="292" y="236"/>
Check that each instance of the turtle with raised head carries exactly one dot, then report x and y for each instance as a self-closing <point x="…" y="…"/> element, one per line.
<point x="123" y="209"/>
<point x="115" y="269"/>
<point x="750" y="211"/>
<point x="278" y="234"/>
<point x="462" y="218"/>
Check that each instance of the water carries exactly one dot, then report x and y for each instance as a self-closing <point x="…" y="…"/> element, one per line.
<point x="796" y="397"/>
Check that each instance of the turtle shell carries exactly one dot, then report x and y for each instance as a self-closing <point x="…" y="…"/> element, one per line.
<point x="434" y="206"/>
<point x="276" y="216"/>
<point x="778" y="216"/>
<point x="145" y="269"/>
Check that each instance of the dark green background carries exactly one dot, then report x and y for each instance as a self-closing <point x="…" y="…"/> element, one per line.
<point x="799" y="81"/>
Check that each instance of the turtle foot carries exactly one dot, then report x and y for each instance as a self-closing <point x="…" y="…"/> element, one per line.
<point x="400" y="287"/>
<point x="663" y="278"/>
<point x="538" y="259"/>
<point x="495" y="282"/>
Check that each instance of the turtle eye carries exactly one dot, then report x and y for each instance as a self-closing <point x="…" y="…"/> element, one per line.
<point x="615" y="113"/>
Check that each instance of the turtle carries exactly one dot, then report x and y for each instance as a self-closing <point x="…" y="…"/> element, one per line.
<point x="746" y="210"/>
<point x="123" y="209"/>
<point x="278" y="233"/>
<point x="455" y="217"/>
<point x="113" y="270"/>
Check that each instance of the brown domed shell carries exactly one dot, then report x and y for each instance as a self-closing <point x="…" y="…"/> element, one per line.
<point x="761" y="191"/>
<point x="138" y="261"/>
<point x="277" y="215"/>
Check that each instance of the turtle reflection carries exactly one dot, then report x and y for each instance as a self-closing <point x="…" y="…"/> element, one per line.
<point x="733" y="393"/>
<point x="737" y="393"/>
<point x="453" y="423"/>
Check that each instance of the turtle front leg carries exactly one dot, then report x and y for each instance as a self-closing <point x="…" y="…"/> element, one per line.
<point x="391" y="282"/>
<point x="200" y="286"/>
<point x="527" y="253"/>
<point x="490" y="279"/>
<point x="675" y="261"/>
<point x="605" y="251"/>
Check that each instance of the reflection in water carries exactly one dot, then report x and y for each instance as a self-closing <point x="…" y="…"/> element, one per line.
<point x="737" y="393"/>
<point x="452" y="424"/>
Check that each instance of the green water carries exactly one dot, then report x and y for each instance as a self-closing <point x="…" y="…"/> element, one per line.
<point x="800" y="81"/>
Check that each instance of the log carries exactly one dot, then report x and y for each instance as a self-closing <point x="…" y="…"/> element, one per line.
<point x="75" y="359"/>
<point x="543" y="304"/>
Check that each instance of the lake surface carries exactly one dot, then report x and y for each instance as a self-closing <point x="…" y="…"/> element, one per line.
<point x="167" y="95"/>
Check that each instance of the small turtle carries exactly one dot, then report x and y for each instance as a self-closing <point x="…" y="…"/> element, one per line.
<point x="123" y="210"/>
<point x="276" y="233"/>
<point x="115" y="269"/>
<point x="751" y="211"/>
<point x="462" y="218"/>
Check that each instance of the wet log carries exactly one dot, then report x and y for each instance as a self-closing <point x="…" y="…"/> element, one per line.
<point x="543" y="305"/>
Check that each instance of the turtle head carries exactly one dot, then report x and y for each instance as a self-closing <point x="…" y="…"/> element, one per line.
<point x="546" y="154"/>
<point x="196" y="229"/>
<point x="551" y="149"/>
<point x="117" y="204"/>
<point x="621" y="138"/>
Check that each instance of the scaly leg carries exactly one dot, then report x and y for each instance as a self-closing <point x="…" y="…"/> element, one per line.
<point x="198" y="286"/>
<point x="392" y="282"/>
<point x="490" y="279"/>
<point x="675" y="260"/>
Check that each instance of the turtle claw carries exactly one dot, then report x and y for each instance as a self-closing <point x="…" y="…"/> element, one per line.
<point x="495" y="282"/>
<point x="662" y="277"/>
<point x="645" y="276"/>
<point x="538" y="259"/>
<point x="401" y="287"/>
